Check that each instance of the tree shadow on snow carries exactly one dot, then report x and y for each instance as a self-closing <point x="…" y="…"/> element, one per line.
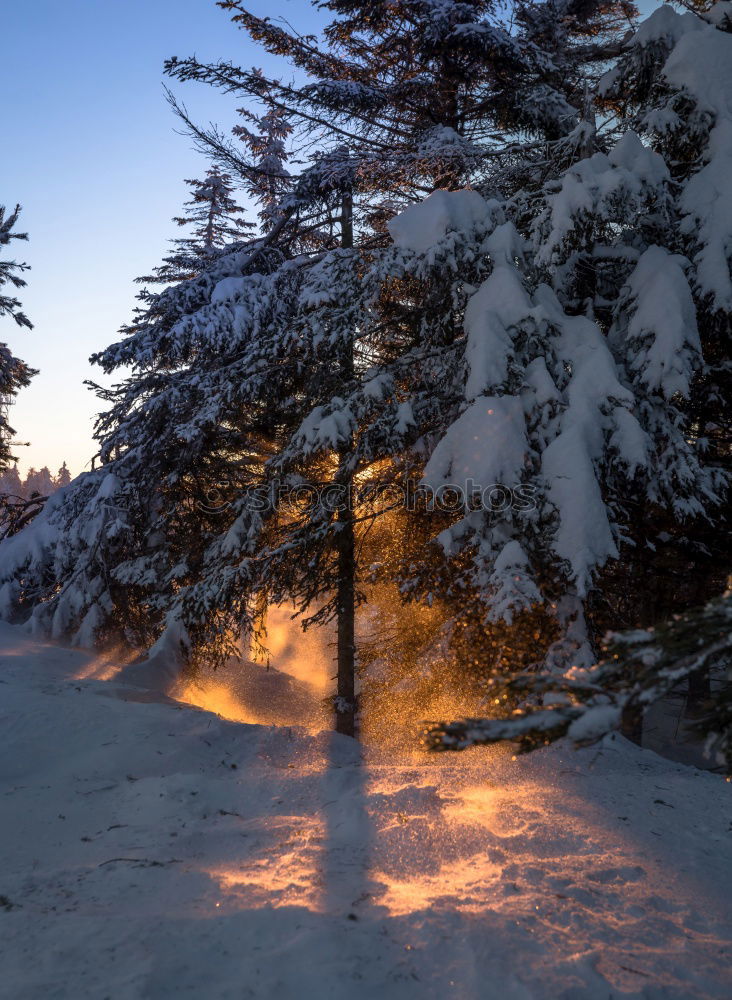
<point x="348" y="888"/>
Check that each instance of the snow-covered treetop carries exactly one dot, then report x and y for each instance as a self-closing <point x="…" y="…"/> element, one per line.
<point x="11" y="270"/>
<point x="266" y="139"/>
<point x="214" y="219"/>
<point x="14" y="373"/>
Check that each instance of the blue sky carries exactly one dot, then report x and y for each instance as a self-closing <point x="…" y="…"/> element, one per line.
<point x="90" y="150"/>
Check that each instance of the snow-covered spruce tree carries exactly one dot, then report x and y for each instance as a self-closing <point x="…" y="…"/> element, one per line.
<point x="10" y="481"/>
<point x="584" y="341"/>
<point x="214" y="220"/>
<point x="307" y="554"/>
<point x="14" y="376"/>
<point x="669" y="253"/>
<point x="343" y="421"/>
<point x="93" y="566"/>
<point x="14" y="373"/>
<point x="62" y="477"/>
<point x="109" y="552"/>
<point x="395" y="148"/>
<point x="418" y="92"/>
<point x="226" y="367"/>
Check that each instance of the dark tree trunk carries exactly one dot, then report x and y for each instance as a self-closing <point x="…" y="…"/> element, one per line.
<point x="631" y="725"/>
<point x="346" y="693"/>
<point x="700" y="690"/>
<point x="346" y="590"/>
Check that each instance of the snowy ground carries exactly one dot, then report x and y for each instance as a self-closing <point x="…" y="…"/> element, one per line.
<point x="150" y="849"/>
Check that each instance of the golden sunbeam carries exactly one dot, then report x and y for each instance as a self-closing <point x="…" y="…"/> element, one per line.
<point x="289" y="875"/>
<point x="106" y="666"/>
<point x="217" y="698"/>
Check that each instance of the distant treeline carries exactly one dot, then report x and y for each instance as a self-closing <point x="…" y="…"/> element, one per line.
<point x="36" y="482"/>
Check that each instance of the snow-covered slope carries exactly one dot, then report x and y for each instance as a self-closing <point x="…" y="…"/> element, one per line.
<point x="149" y="849"/>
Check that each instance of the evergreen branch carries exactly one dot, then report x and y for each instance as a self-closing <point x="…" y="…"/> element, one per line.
<point x="232" y="79"/>
<point x="640" y="667"/>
